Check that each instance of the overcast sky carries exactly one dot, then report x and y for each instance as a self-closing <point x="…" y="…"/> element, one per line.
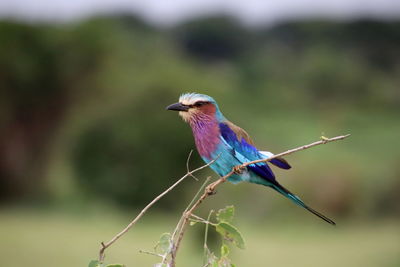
<point x="172" y="11"/>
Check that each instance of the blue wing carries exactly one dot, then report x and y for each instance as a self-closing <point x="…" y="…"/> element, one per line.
<point x="245" y="152"/>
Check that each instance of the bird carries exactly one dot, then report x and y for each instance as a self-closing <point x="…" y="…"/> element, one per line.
<point x="227" y="145"/>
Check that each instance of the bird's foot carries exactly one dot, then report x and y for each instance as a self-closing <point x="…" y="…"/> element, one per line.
<point x="238" y="169"/>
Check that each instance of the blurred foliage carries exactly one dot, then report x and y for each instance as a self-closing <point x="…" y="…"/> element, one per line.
<point x="213" y="39"/>
<point x="82" y="108"/>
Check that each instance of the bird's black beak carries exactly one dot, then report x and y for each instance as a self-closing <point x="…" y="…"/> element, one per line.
<point x="177" y="107"/>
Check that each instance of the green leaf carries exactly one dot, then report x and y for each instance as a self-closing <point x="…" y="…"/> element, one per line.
<point x="115" y="265"/>
<point x="164" y="244"/>
<point x="192" y="223"/>
<point x="226" y="214"/>
<point x="224" y="250"/>
<point x="94" y="263"/>
<point x="230" y="233"/>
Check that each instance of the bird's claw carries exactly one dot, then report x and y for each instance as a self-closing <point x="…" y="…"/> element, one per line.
<point x="238" y="169"/>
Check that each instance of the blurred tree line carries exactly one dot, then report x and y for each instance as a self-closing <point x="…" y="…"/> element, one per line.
<point x="82" y="104"/>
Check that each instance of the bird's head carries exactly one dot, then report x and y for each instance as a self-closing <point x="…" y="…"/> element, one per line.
<point x="194" y="107"/>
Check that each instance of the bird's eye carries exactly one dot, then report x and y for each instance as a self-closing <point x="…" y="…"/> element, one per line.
<point x="200" y="103"/>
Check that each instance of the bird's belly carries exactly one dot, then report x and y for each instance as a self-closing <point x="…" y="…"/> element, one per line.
<point x="225" y="161"/>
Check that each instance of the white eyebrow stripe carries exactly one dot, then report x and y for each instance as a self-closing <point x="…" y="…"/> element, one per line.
<point x="191" y="99"/>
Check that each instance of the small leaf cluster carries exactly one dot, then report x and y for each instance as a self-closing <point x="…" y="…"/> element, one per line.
<point x="228" y="232"/>
<point x="225" y="228"/>
<point x="163" y="248"/>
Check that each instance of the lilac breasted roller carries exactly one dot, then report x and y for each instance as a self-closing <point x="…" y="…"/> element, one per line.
<point x="217" y="138"/>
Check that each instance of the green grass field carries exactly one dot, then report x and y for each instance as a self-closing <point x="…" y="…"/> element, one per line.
<point x="34" y="237"/>
<point x="38" y="238"/>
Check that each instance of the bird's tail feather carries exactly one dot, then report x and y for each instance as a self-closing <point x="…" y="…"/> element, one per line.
<point x="299" y="202"/>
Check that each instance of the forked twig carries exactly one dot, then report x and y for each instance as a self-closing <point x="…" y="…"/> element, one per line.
<point x="104" y="246"/>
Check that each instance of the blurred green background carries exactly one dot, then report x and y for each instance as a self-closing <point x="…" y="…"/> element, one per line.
<point x="86" y="142"/>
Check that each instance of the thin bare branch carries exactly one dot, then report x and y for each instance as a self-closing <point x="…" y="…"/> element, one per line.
<point x="195" y="218"/>
<point x="205" y="247"/>
<point x="210" y="189"/>
<point x="187" y="165"/>
<point x="178" y="227"/>
<point x="199" y="218"/>
<point x="104" y="246"/>
<point x="150" y="253"/>
<point x="291" y="151"/>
